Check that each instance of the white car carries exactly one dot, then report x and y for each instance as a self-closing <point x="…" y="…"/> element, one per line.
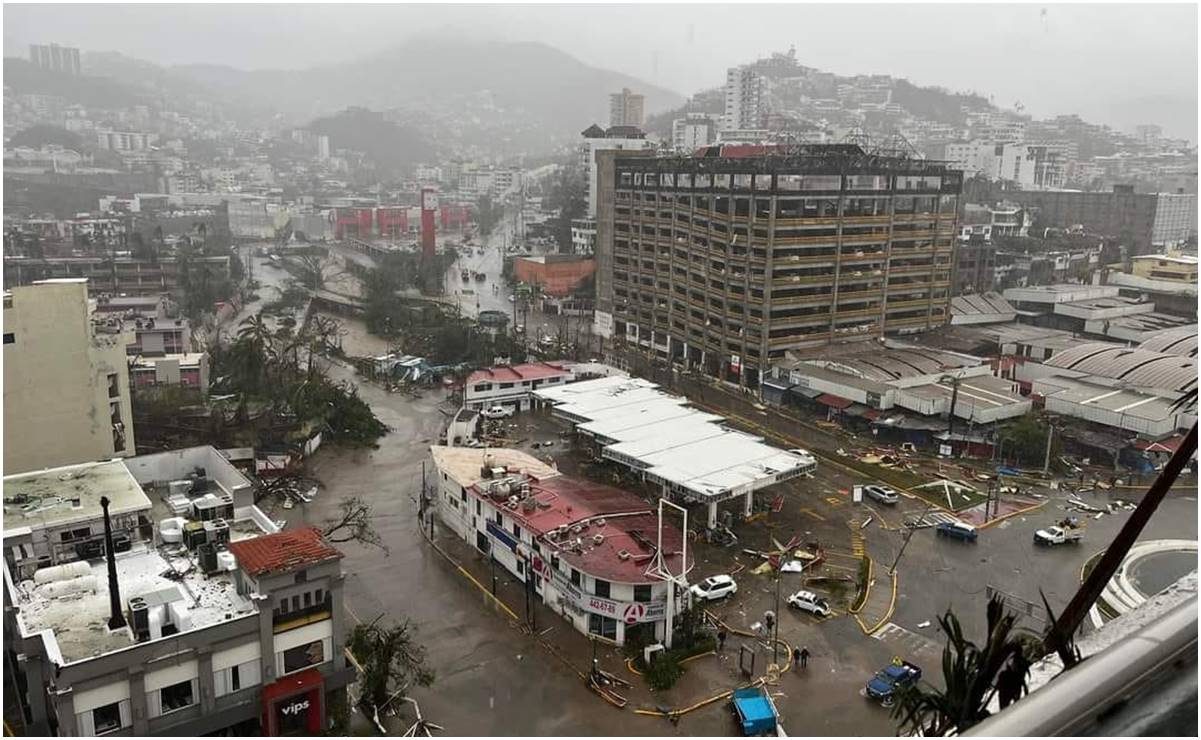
<point x="883" y="494"/>
<point x="807" y="601"/>
<point x="714" y="588"/>
<point x="805" y="455"/>
<point x="497" y="412"/>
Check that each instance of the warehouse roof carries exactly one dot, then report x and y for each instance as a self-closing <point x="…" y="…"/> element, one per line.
<point x="1136" y="366"/>
<point x="883" y="364"/>
<point x="983" y="308"/>
<point x="1180" y="341"/>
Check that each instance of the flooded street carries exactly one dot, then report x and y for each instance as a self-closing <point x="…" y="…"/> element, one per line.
<point x="491" y="679"/>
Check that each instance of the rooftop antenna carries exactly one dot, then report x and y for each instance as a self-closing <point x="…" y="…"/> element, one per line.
<point x="116" y="618"/>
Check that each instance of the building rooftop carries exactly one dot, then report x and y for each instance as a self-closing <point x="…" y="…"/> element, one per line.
<point x="982" y="308"/>
<point x="59" y="496"/>
<point x="77" y="622"/>
<point x="1178" y="259"/>
<point x="184" y="358"/>
<point x="605" y="521"/>
<point x="465" y="464"/>
<point x="1181" y="340"/>
<point x="986" y="391"/>
<point x="518" y="373"/>
<point x="1126" y="401"/>
<point x="707" y="463"/>
<point x="1060" y="293"/>
<point x="1138" y="367"/>
<point x="871" y="361"/>
<point x="283" y="552"/>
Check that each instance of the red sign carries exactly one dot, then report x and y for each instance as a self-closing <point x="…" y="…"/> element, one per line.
<point x="536" y="562"/>
<point x="634" y="613"/>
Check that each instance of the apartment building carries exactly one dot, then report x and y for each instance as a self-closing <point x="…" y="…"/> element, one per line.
<point x="55" y="58"/>
<point x="66" y="385"/>
<point x="745" y="99"/>
<point x="625" y="108"/>
<point x="725" y="262"/>
<point x="693" y="131"/>
<point x="210" y="621"/>
<point x="596" y="140"/>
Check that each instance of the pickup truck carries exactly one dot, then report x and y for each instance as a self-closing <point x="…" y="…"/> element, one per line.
<point x="1057" y="536"/>
<point x="898" y="675"/>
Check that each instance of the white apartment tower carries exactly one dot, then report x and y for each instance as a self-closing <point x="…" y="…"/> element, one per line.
<point x="744" y="99"/>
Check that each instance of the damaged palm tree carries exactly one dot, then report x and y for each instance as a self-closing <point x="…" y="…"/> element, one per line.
<point x="391" y="662"/>
<point x="972" y="674"/>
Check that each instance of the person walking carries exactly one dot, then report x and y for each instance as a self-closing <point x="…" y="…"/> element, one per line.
<point x="804" y="657"/>
<point x="721" y="641"/>
<point x="796" y="658"/>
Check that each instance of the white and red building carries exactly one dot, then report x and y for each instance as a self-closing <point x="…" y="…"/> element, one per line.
<point x="589" y="549"/>
<point x="511" y="385"/>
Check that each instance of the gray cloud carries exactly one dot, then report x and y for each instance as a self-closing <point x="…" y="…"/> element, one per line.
<point x="1102" y="61"/>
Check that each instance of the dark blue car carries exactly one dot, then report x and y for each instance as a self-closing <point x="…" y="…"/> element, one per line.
<point x="886" y="683"/>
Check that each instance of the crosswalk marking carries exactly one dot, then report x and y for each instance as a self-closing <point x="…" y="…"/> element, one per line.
<point x="933" y="519"/>
<point x="857" y="548"/>
<point x="834" y="501"/>
<point x="908" y="643"/>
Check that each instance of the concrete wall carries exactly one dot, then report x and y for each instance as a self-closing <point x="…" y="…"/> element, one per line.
<point x="57" y="404"/>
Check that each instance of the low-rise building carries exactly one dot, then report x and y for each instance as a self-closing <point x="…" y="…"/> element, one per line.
<point x="511" y="385"/>
<point x="189" y="370"/>
<point x="589" y="549"/>
<point x="215" y="622"/>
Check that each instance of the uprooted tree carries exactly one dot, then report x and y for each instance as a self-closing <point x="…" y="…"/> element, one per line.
<point x="353" y="524"/>
<point x="392" y="661"/>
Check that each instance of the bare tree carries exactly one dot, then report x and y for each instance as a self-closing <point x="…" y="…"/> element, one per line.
<point x="353" y="524"/>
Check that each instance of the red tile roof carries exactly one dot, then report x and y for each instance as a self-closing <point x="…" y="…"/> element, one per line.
<point x="514" y="373"/>
<point x="834" y="401"/>
<point x="283" y="552"/>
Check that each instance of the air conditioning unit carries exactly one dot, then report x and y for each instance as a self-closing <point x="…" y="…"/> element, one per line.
<point x="598" y="539"/>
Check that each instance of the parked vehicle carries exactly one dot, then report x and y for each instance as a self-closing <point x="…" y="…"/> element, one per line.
<point x="957" y="530"/>
<point x="497" y="412"/>
<point x="806" y="457"/>
<point x="883" y="686"/>
<point x="755" y="711"/>
<point x="807" y="601"/>
<point x="714" y="588"/>
<point x="882" y="494"/>
<point x="1058" y="536"/>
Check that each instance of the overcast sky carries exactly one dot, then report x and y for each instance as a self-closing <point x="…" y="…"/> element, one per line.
<point x="1107" y="62"/>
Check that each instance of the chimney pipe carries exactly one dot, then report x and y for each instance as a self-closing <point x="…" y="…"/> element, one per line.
<point x="116" y="618"/>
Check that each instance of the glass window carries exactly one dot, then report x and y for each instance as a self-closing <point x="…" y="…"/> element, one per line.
<point x="946" y="204"/>
<point x="626" y="179"/>
<point x="602" y="588"/>
<point x="788" y="182"/>
<point x="763" y="182"/>
<point x="684" y="180"/>
<point x="303" y="656"/>
<point x="867" y="182"/>
<point x="903" y="204"/>
<point x="106" y="718"/>
<point x="637" y="178"/>
<point x="743" y="182"/>
<point x="575" y="577"/>
<point x="667" y="179"/>
<point x="642" y="593"/>
<point x="176" y="696"/>
<point x="704" y="181"/>
<point x="651" y="179"/>
<point x="604" y="626"/>
<point x="721" y="181"/>
<point x="821" y="182"/>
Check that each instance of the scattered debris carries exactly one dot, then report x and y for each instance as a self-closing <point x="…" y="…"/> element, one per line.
<point x="923" y="625"/>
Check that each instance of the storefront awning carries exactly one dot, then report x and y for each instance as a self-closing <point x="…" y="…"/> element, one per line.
<point x="832" y="401"/>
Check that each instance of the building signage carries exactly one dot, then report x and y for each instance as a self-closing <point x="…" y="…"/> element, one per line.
<point x="641" y="611"/>
<point x="499" y="533"/>
<point x="296" y="707"/>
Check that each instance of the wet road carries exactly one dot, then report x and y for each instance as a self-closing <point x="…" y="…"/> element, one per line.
<point x="491" y="679"/>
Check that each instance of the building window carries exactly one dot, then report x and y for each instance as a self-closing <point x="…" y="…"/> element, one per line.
<point x="114" y="386"/>
<point x="236" y="678"/>
<point x="106" y="718"/>
<point x="604" y="626"/>
<point x="10" y="338"/>
<point x="308" y="598"/>
<point x="575" y="577"/>
<point x="301" y="577"/>
<point x="176" y="696"/>
<point x="516" y="530"/>
<point x="642" y="593"/>
<point x="602" y="588"/>
<point x="303" y="656"/>
<point x="319" y="596"/>
<point x="478" y="508"/>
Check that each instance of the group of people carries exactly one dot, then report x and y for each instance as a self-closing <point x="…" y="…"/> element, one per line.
<point x="800" y="656"/>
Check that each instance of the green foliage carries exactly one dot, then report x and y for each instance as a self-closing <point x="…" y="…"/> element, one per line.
<point x="488" y="214"/>
<point x="40" y="135"/>
<point x="392" y="662"/>
<point x="393" y="147"/>
<point x="569" y="196"/>
<point x="1027" y="438"/>
<point x="861" y="577"/>
<point x="972" y="675"/>
<point x="664" y="671"/>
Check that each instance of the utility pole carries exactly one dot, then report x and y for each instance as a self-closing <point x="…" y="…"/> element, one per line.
<point x="1047" y="458"/>
<point x="892" y="569"/>
<point x="954" y="398"/>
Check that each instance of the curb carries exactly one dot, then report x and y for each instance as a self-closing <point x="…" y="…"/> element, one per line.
<point x="867" y="590"/>
<point x="991" y="522"/>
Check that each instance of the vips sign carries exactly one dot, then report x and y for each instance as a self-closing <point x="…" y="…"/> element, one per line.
<point x="631" y="612"/>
